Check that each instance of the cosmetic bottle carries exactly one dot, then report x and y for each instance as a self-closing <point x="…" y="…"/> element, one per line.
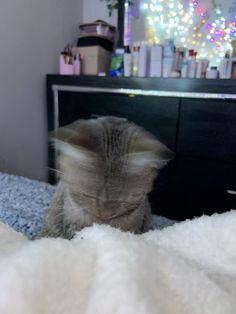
<point x="168" y="57"/>
<point x="135" y="59"/>
<point x="169" y="48"/>
<point x="156" y="58"/>
<point x="176" y="60"/>
<point x="201" y="68"/>
<point x="127" y="62"/>
<point x="204" y="67"/>
<point x="117" y="63"/>
<point x="181" y="55"/>
<point x="167" y="66"/>
<point x="192" y="63"/>
<point x="233" y="44"/>
<point x="184" y="69"/>
<point x="225" y="67"/>
<point x="212" y="73"/>
<point x="142" y="62"/>
<point x="77" y="64"/>
<point x="229" y="69"/>
<point x="232" y="69"/>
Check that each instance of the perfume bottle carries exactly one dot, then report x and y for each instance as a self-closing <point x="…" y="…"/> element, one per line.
<point x="77" y="64"/>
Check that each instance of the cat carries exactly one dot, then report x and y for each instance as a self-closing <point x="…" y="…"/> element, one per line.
<point x="106" y="170"/>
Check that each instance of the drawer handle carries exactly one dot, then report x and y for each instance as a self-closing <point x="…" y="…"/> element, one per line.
<point x="231" y="192"/>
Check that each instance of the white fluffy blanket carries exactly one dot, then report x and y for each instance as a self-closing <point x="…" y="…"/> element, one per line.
<point x="187" y="268"/>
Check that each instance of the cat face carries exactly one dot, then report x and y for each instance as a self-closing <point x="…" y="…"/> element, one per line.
<point x="109" y="163"/>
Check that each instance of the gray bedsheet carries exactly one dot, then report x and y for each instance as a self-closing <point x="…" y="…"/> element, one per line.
<point x="24" y="203"/>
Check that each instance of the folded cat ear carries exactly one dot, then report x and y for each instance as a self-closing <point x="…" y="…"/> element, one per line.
<point x="149" y="153"/>
<point x="75" y="153"/>
<point x="76" y="134"/>
<point x="150" y="144"/>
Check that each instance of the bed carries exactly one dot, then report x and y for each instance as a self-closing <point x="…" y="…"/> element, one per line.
<point x="185" y="267"/>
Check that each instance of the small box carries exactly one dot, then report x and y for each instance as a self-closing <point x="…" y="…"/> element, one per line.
<point x="94" y="59"/>
<point x="98" y="28"/>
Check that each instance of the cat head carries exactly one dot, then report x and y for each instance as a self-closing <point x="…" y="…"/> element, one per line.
<point x="110" y="159"/>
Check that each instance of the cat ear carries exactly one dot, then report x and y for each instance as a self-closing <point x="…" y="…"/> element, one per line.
<point x="149" y="153"/>
<point x="144" y="160"/>
<point x="73" y="141"/>
<point x="76" y="134"/>
<point x="71" y="150"/>
<point x="151" y="145"/>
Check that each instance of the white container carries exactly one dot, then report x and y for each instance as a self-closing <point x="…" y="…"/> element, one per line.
<point x="135" y="59"/>
<point x="184" y="70"/>
<point x="229" y="69"/>
<point x="143" y="58"/>
<point x="212" y="73"/>
<point x="201" y="68"/>
<point x="156" y="68"/>
<point x="156" y="53"/>
<point x="176" y="62"/>
<point x="156" y="65"/>
<point x="223" y="68"/>
<point x="169" y="48"/>
<point x="181" y="56"/>
<point x="167" y="66"/>
<point x="127" y="64"/>
<point x="77" y="64"/>
<point x="192" y="65"/>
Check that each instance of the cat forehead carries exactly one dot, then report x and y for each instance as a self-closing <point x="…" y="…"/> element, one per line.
<point x="111" y="137"/>
<point x="92" y="131"/>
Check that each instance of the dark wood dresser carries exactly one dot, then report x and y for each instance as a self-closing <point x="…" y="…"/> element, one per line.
<point x="195" y="118"/>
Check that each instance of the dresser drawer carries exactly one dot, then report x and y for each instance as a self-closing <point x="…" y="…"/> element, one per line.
<point x="158" y="115"/>
<point x="202" y="187"/>
<point x="208" y="129"/>
<point x="161" y="197"/>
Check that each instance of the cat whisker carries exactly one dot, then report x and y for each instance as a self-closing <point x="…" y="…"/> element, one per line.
<point x="56" y="171"/>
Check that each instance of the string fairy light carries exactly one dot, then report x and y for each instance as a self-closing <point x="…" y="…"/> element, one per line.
<point x="173" y="20"/>
<point x="192" y="26"/>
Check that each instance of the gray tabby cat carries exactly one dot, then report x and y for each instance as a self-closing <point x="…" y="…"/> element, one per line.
<point x="107" y="167"/>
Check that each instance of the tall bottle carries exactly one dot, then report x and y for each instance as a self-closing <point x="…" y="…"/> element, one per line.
<point x="192" y="63"/>
<point x="135" y="59"/>
<point x="143" y="56"/>
<point x="156" y="61"/>
<point x="77" y="64"/>
<point x="127" y="62"/>
<point x="168" y="57"/>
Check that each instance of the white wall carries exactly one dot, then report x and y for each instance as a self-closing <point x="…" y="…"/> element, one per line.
<point x="32" y="34"/>
<point x="97" y="10"/>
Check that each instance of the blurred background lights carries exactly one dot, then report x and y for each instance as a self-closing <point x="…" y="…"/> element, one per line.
<point x="208" y="26"/>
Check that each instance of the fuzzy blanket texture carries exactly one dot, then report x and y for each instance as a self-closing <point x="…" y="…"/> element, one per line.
<point x="189" y="267"/>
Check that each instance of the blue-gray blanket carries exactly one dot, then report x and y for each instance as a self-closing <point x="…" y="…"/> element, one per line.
<point x="24" y="203"/>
